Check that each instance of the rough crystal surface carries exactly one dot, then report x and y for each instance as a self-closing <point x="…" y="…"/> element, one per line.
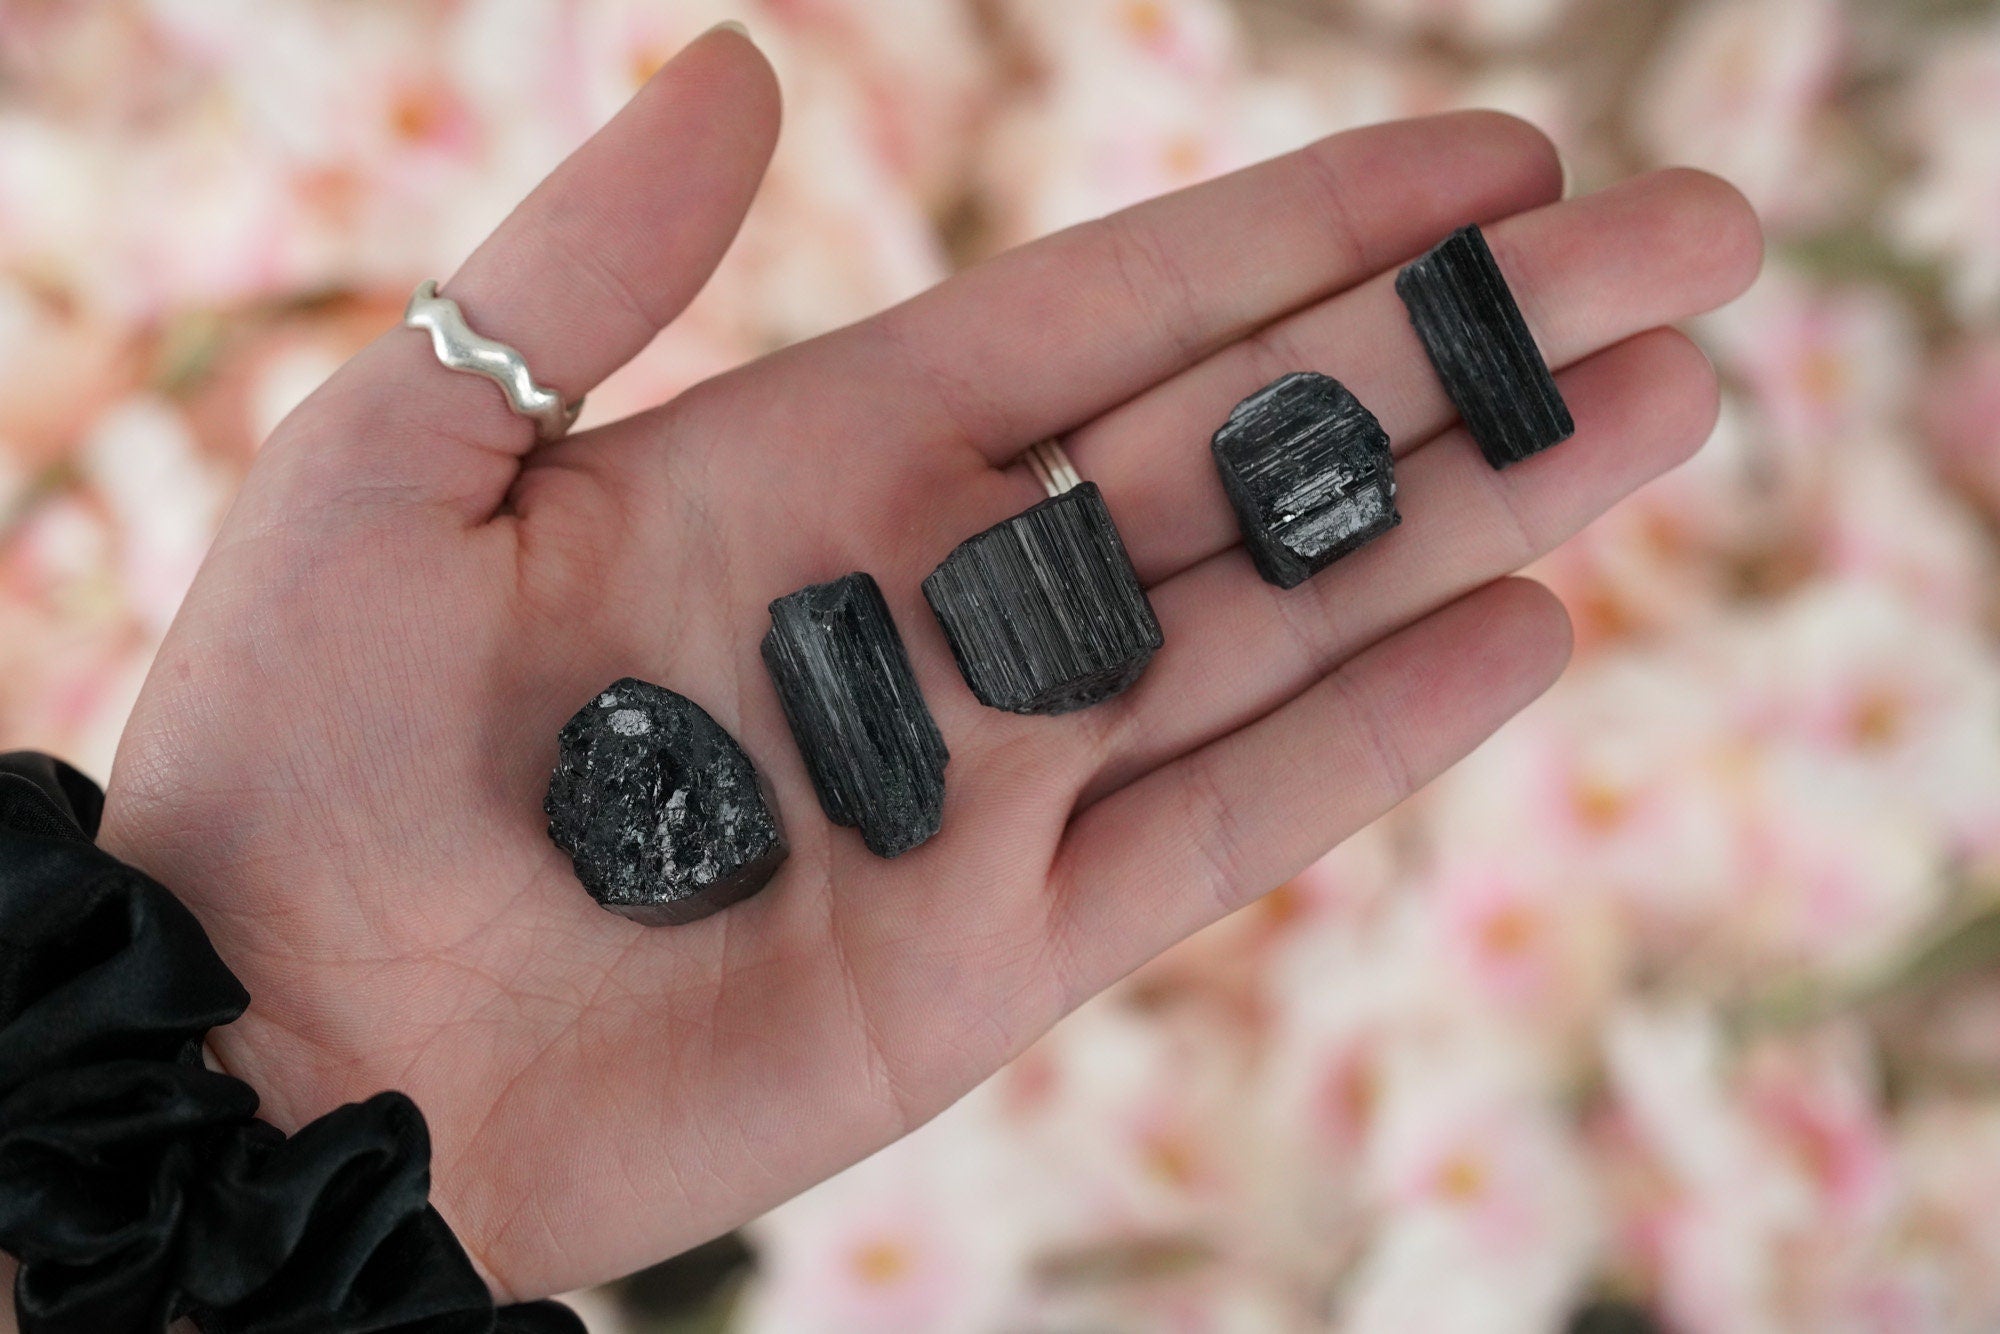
<point x="1309" y="471"/>
<point x="661" y="811"/>
<point x="870" y="745"/>
<point x="1043" y="611"/>
<point x="1468" y="321"/>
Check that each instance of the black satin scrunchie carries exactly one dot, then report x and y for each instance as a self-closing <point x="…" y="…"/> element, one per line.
<point x="136" y="1185"/>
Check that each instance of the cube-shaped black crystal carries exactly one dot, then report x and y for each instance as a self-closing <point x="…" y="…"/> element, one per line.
<point x="1310" y="474"/>
<point x="1044" y="611"/>
<point x="663" y="815"/>
<point x="1475" y="336"/>
<point x="870" y="745"/>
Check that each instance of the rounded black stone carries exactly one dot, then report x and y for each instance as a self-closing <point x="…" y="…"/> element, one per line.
<point x="1308" y="470"/>
<point x="663" y="815"/>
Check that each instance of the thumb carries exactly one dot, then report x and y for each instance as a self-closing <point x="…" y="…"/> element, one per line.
<point x="603" y="254"/>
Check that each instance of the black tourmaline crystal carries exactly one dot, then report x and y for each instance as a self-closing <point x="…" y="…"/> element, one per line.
<point x="662" y="812"/>
<point x="1044" y="612"/>
<point x="1483" y="351"/>
<point x="869" y="742"/>
<point x="1309" y="472"/>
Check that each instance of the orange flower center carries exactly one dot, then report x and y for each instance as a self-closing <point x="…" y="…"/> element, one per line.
<point x="1508" y="930"/>
<point x="1878" y="720"/>
<point x="416" y="116"/>
<point x="1351" y="1093"/>
<point x="1462" y="1178"/>
<point x="1824" y="376"/>
<point x="1146" y="19"/>
<point x="1600" y="806"/>
<point x="1185" y="155"/>
<point x="1282" y="906"/>
<point x="1171" y="1159"/>
<point x="644" y="64"/>
<point x="881" y="1263"/>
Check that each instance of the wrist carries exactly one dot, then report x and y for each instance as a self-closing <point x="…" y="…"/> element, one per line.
<point x="123" y="838"/>
<point x="109" y="982"/>
<point x="271" y="1047"/>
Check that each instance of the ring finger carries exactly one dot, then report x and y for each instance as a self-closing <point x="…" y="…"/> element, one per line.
<point x="1238" y="648"/>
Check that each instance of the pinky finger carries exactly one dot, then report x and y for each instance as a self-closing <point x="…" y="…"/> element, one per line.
<point x="1200" y="837"/>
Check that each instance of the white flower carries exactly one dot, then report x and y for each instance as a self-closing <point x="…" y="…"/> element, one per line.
<point x="1862" y="703"/>
<point x="59" y="363"/>
<point x="1094" y="146"/>
<point x="1125" y="1119"/>
<point x="1343" y="996"/>
<point x="1490" y="1219"/>
<point x="835" y="234"/>
<point x="1840" y="878"/>
<point x="285" y="379"/>
<point x="1953" y="210"/>
<point x="1738" y="89"/>
<point x="1824" y="364"/>
<point x="1611" y="789"/>
<point x="915" y="1240"/>
<point x="165" y="498"/>
<point x="1727" y="1198"/>
<point x="1948" y="1153"/>
<point x="1497" y="22"/>
<point x="69" y="669"/>
<point x="1883" y="521"/>
<point x="1961" y="418"/>
<point x="922" y="73"/>
<point x="622" y="43"/>
<point x="1193" y="42"/>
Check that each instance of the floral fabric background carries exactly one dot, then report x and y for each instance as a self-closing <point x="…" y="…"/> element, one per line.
<point x="1678" y="1005"/>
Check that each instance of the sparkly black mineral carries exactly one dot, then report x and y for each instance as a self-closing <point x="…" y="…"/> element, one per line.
<point x="870" y="745"/>
<point x="1044" y="612"/>
<point x="1484" y="354"/>
<point x="661" y="811"/>
<point x="1309" y="472"/>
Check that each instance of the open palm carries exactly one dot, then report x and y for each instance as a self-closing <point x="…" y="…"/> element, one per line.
<point x="339" y="758"/>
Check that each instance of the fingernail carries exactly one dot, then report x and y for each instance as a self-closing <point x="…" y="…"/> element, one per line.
<point x="734" y="26"/>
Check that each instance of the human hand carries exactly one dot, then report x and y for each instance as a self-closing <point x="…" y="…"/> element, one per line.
<point x="339" y="758"/>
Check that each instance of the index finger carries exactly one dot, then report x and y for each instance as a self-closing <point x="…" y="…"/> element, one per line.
<point x="1044" y="337"/>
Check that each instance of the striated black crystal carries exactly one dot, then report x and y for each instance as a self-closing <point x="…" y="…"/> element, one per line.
<point x="1492" y="370"/>
<point x="1309" y="472"/>
<point x="661" y="811"/>
<point x="868" y="738"/>
<point x="1044" y="612"/>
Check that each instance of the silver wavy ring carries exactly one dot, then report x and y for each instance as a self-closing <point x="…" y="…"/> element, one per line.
<point x="460" y="349"/>
<point x="1052" y="467"/>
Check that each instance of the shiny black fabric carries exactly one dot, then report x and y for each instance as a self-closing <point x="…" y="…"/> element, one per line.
<point x="136" y="1186"/>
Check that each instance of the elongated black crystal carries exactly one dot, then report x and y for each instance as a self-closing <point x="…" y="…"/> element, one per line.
<point x="1043" y="611"/>
<point x="870" y="745"/>
<point x="1309" y="472"/>
<point x="1492" y="370"/>
<point x="662" y="813"/>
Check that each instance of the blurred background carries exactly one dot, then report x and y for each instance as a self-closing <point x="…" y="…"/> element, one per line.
<point x="1677" y="1006"/>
